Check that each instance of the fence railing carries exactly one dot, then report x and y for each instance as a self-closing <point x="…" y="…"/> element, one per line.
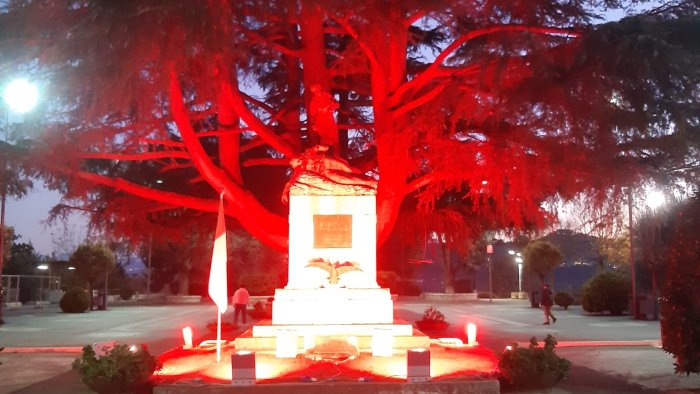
<point x="31" y="288"/>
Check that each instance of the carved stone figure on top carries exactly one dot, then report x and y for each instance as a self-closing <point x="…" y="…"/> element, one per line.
<point x="321" y="109"/>
<point x="317" y="169"/>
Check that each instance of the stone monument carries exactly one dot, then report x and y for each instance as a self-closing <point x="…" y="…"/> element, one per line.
<point x="332" y="288"/>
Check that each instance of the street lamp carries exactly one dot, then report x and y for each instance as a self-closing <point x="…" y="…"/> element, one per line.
<point x="20" y="96"/>
<point x="519" y="261"/>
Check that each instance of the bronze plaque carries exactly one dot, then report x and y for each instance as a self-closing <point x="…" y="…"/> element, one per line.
<point x="332" y="231"/>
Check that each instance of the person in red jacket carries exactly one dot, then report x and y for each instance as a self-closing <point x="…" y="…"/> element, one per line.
<point x="240" y="303"/>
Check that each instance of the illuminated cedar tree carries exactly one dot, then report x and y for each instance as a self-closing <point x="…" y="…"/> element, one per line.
<point x="173" y="102"/>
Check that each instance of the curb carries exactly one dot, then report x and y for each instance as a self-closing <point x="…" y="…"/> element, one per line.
<point x="74" y="349"/>
<point x="560" y="344"/>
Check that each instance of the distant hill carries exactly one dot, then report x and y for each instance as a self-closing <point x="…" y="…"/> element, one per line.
<point x="577" y="248"/>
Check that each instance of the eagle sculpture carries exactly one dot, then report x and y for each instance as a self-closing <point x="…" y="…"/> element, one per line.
<point x="334" y="269"/>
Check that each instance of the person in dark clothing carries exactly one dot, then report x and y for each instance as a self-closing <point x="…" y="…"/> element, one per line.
<point x="547" y="302"/>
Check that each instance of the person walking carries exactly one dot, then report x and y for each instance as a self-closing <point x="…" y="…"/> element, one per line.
<point x="547" y="302"/>
<point x="240" y="304"/>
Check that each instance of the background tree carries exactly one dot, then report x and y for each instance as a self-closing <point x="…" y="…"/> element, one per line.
<point x="91" y="261"/>
<point x="540" y="258"/>
<point x="512" y="105"/>
<point x="680" y="308"/>
<point x="614" y="251"/>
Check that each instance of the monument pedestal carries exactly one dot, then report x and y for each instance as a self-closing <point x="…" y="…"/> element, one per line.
<point x="332" y="305"/>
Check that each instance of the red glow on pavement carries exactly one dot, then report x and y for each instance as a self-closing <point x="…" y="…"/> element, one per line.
<point x="197" y="363"/>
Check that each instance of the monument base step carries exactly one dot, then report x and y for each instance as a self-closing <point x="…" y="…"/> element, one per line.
<point x="265" y="328"/>
<point x="264" y="337"/>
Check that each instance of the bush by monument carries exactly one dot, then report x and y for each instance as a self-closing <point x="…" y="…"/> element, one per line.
<point x="607" y="291"/>
<point x="74" y="300"/>
<point x="534" y="367"/>
<point x="117" y="369"/>
<point x="563" y="299"/>
<point x="432" y="319"/>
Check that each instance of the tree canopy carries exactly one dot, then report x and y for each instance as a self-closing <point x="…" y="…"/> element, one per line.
<point x="541" y="257"/>
<point x="159" y="106"/>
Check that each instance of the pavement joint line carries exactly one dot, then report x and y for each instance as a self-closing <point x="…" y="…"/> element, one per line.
<point x="45" y="349"/>
<point x="560" y="344"/>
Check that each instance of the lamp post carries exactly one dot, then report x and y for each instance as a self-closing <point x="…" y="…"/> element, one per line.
<point x="20" y="96"/>
<point x="654" y="200"/>
<point x="489" y="252"/>
<point x="519" y="262"/>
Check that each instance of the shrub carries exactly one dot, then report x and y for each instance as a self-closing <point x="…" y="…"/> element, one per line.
<point x="409" y="288"/>
<point x="607" y="291"/>
<point x="534" y="367"/>
<point x="119" y="369"/>
<point x="432" y="314"/>
<point x="74" y="300"/>
<point x="563" y="299"/>
<point x="388" y="279"/>
<point x="126" y="291"/>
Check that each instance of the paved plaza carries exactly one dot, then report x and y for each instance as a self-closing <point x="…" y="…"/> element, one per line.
<point x="609" y="354"/>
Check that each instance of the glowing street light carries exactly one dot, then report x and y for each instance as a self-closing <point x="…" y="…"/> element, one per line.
<point x="21" y="96"/>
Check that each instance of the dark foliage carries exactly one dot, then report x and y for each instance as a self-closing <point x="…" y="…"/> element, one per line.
<point x="74" y="300"/>
<point x="680" y="307"/>
<point x="533" y="368"/>
<point x="120" y="369"/>
<point x="607" y="291"/>
<point x="563" y="299"/>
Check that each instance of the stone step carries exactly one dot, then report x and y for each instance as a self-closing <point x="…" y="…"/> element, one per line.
<point x="265" y="328"/>
<point x="247" y="341"/>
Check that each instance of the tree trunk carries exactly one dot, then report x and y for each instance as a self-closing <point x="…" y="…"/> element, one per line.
<point x="447" y="274"/>
<point x="183" y="281"/>
<point x="654" y="294"/>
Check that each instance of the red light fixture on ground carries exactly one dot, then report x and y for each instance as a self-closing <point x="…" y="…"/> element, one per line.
<point x="243" y="368"/>
<point x="471" y="334"/>
<point x="418" y="365"/>
<point x="187" y="338"/>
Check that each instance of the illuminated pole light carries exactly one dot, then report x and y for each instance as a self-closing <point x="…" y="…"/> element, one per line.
<point x="471" y="334"/>
<point x="187" y="338"/>
<point x="243" y="368"/>
<point x="418" y="365"/>
<point x="21" y="96"/>
<point x="519" y="260"/>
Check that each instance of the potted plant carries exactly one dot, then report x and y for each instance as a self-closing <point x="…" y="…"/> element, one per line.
<point x="432" y="319"/>
<point x="533" y="367"/>
<point x="118" y="368"/>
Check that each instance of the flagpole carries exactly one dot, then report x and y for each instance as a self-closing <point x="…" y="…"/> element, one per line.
<point x="218" y="336"/>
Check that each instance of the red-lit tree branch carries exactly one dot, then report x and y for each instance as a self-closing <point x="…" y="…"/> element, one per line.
<point x="274" y="140"/>
<point x="265" y="162"/>
<point x="259" y="221"/>
<point x="432" y="71"/>
<point x="151" y="141"/>
<point x="173" y="154"/>
<point x="149" y="193"/>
